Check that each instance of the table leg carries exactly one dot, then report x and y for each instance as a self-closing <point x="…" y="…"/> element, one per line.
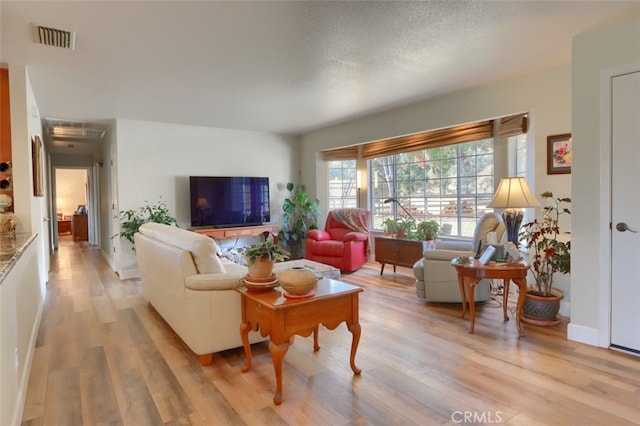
<point x="278" y="351"/>
<point x="355" y="331"/>
<point x="462" y="295"/>
<point x="505" y="297"/>
<point x="522" y="294"/>
<point x="316" y="347"/>
<point x="381" y="268"/>
<point x="472" y="303"/>
<point x="244" y="335"/>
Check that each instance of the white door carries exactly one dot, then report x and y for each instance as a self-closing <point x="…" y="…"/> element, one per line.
<point x="625" y="212"/>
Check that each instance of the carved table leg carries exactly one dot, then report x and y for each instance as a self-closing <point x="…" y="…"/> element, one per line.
<point x="355" y="331"/>
<point x="278" y="351"/>
<point x="505" y="297"/>
<point x="522" y="294"/>
<point x="244" y="335"/>
<point x="463" y="298"/>
<point x="316" y="347"/>
<point x="470" y="284"/>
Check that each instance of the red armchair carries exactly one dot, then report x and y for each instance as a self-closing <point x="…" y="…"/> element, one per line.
<point x="344" y="243"/>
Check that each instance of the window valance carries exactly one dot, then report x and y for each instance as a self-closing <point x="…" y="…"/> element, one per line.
<point x="341" y="154"/>
<point x="429" y="139"/>
<point x="513" y="125"/>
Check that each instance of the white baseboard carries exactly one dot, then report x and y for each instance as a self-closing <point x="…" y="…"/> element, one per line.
<point x="129" y="273"/>
<point x="21" y="398"/>
<point x="582" y="334"/>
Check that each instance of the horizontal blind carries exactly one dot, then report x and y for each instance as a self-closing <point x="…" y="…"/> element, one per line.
<point x="341" y="154"/>
<point x="430" y="139"/>
<point x="513" y="125"/>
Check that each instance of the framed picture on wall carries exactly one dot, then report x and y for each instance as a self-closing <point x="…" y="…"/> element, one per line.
<point x="559" y="154"/>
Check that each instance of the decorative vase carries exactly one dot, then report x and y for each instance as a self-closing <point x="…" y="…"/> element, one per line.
<point x="7" y="223"/>
<point x="298" y="280"/>
<point x="261" y="268"/>
<point x="542" y="310"/>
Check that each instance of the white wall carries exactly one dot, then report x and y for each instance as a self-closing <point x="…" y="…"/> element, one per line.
<point x="546" y="95"/>
<point x="23" y="289"/>
<point x="593" y="54"/>
<point x="155" y="160"/>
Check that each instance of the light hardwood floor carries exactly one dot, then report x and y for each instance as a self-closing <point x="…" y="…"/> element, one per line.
<point x="103" y="357"/>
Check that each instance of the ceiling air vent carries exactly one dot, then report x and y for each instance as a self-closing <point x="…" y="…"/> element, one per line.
<point x="54" y="37"/>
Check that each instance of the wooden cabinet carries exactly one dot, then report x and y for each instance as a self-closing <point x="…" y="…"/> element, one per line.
<point x="397" y="251"/>
<point x="80" y="227"/>
<point x="239" y="232"/>
<point x="5" y="138"/>
<point x="64" y="226"/>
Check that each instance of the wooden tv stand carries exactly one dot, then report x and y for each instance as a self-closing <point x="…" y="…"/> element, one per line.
<point x="239" y="232"/>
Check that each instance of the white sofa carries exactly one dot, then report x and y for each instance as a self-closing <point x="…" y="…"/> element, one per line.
<point x="191" y="287"/>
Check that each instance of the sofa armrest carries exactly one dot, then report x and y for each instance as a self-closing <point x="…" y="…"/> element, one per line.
<point x="355" y="236"/>
<point x="318" y="235"/>
<point x="458" y="245"/>
<point x="209" y="282"/>
<point x="446" y="255"/>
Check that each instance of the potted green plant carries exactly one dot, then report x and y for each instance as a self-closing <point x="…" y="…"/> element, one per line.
<point x="390" y="227"/>
<point x="550" y="254"/>
<point x="300" y="215"/>
<point x="261" y="257"/>
<point x="427" y="230"/>
<point x="132" y="219"/>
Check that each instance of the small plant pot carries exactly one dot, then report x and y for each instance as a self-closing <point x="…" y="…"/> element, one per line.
<point x="542" y="310"/>
<point x="261" y="268"/>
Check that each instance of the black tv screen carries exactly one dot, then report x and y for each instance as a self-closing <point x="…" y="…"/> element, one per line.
<point x="226" y="201"/>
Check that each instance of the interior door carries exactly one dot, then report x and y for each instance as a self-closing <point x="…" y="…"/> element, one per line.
<point x="625" y="212"/>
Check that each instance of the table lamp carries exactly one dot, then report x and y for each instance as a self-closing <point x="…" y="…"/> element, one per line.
<point x="513" y="195"/>
<point x="202" y="204"/>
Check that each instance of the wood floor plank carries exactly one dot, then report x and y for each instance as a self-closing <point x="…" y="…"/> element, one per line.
<point x="103" y="356"/>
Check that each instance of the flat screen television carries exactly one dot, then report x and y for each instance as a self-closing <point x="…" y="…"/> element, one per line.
<point x="228" y="201"/>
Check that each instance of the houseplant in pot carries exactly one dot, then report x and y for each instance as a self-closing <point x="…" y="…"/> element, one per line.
<point x="550" y="254"/>
<point x="261" y="257"/>
<point x="428" y="231"/>
<point x="132" y="219"/>
<point x="300" y="215"/>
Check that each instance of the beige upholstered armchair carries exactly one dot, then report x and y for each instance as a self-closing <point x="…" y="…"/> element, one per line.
<point x="436" y="279"/>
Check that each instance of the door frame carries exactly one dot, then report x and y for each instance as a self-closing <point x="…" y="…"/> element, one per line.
<point x="606" y="249"/>
<point x="91" y="196"/>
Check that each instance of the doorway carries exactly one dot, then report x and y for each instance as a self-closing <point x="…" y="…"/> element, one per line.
<point x="625" y="205"/>
<point x="71" y="203"/>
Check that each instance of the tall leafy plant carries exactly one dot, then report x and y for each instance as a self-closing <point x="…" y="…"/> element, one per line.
<point x="549" y="253"/>
<point x="300" y="215"/>
<point x="132" y="219"/>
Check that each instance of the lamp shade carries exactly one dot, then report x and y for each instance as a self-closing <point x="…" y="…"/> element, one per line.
<point x="202" y="203"/>
<point x="513" y="192"/>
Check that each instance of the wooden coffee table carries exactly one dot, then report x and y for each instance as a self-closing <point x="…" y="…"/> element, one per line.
<point x="281" y="319"/>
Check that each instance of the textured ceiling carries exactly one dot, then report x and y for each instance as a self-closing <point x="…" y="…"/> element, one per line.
<point x="282" y="66"/>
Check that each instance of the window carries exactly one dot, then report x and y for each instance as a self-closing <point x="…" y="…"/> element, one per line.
<point x="342" y="184"/>
<point x="451" y="184"/>
<point x="520" y="149"/>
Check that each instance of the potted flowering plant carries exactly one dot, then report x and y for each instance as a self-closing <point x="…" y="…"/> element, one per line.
<point x="550" y="255"/>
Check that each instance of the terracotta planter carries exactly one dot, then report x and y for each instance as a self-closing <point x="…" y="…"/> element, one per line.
<point x="542" y="310"/>
<point x="261" y="268"/>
